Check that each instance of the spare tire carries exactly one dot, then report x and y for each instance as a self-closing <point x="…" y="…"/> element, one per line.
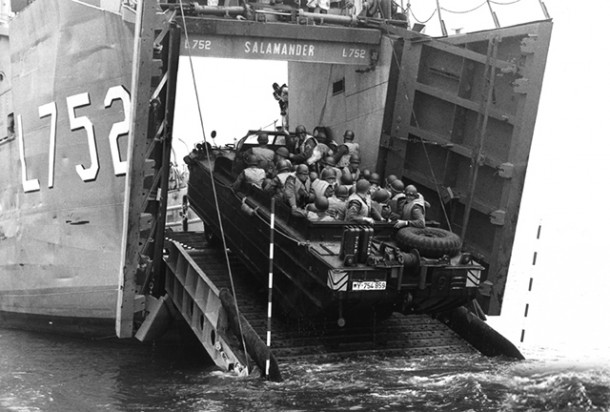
<point x="431" y="242"/>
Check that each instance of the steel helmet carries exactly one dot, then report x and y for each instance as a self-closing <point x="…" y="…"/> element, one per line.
<point x="329" y="161"/>
<point x="362" y="186"/>
<point x="251" y="159"/>
<point x="341" y="191"/>
<point x="366" y="174"/>
<point x="313" y="176"/>
<point x="300" y="129"/>
<point x="321" y="203"/>
<point x="349" y="135"/>
<point x="263" y="138"/>
<point x="397" y="186"/>
<point x="302" y="169"/>
<point x="374" y="178"/>
<point x="284" y="165"/>
<point x="354" y="158"/>
<point x="390" y="179"/>
<point x="380" y="196"/>
<point x="282" y="152"/>
<point x="328" y="173"/>
<point x="347" y="179"/>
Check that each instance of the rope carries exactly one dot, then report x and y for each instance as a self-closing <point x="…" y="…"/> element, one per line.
<point x="410" y="9"/>
<point x="465" y="11"/>
<point x="207" y="152"/>
<point x="504" y="4"/>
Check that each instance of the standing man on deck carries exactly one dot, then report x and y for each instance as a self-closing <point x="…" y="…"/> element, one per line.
<point x="347" y="150"/>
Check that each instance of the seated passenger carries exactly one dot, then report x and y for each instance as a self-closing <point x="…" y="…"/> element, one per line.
<point x="397" y="199"/>
<point x="413" y="210"/>
<point x="251" y="175"/>
<point x="337" y="203"/>
<point x="297" y="190"/>
<point x="374" y="179"/>
<point x="320" y="151"/>
<point x="352" y="167"/>
<point x="321" y="213"/>
<point x="359" y="204"/>
<point x="277" y="184"/>
<point x="345" y="151"/>
<point x="347" y="181"/>
<point x="380" y="199"/>
<point x="329" y="162"/>
<point x="389" y="180"/>
<point x="264" y="153"/>
<point x="303" y="149"/>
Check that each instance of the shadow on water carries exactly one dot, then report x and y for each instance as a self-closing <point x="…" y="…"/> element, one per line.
<point x="49" y="373"/>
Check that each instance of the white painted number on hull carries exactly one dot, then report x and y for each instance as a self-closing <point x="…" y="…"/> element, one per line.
<point x="87" y="174"/>
<point x="83" y="122"/>
<point x="50" y="109"/>
<point x="31" y="185"/>
<point x="118" y="129"/>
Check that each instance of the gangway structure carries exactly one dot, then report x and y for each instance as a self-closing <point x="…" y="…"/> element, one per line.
<point x="165" y="274"/>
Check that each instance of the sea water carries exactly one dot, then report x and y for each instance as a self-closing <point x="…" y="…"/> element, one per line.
<point x="50" y="373"/>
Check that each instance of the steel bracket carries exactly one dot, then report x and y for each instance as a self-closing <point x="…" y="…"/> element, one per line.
<point x="506" y="170"/>
<point x="497" y="217"/>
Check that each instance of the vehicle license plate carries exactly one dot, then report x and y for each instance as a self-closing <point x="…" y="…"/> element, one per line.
<point x="368" y="285"/>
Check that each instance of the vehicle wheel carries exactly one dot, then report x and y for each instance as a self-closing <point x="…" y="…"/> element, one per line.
<point x="210" y="237"/>
<point x="431" y="242"/>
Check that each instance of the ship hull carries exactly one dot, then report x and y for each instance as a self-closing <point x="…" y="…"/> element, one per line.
<point x="62" y="190"/>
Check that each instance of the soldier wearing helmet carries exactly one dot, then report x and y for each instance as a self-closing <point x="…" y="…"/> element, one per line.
<point x="397" y="199"/>
<point x="389" y="180"/>
<point x="251" y="175"/>
<point x="297" y="190"/>
<point x="413" y="211"/>
<point x="276" y="186"/>
<point x="346" y="150"/>
<point x="374" y="179"/>
<point x="359" y="204"/>
<point x="319" y="211"/>
<point x="337" y="203"/>
<point x="380" y="199"/>
<point x="353" y="167"/>
<point x="329" y="162"/>
<point x="321" y="150"/>
<point x="304" y="147"/>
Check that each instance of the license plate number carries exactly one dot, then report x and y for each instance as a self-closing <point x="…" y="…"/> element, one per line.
<point x="368" y="285"/>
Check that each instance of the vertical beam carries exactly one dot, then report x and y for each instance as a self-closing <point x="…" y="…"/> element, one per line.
<point x="170" y="99"/>
<point x="136" y="157"/>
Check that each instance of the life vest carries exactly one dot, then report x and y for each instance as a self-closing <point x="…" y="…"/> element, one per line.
<point x="319" y="186"/>
<point x="265" y="156"/>
<point x="352" y="148"/>
<point x="303" y="145"/>
<point x="336" y="208"/>
<point x="254" y="176"/>
<point x="320" y="151"/>
<point x="365" y="209"/>
<point x="282" y="177"/>
<point x="396" y="203"/>
<point x="407" y="209"/>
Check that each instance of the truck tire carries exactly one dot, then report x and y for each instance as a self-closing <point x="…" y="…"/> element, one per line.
<point x="431" y="242"/>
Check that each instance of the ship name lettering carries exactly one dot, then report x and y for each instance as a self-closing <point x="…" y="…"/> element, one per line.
<point x="279" y="48"/>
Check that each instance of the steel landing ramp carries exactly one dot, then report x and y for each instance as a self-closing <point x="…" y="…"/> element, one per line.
<point x="197" y="274"/>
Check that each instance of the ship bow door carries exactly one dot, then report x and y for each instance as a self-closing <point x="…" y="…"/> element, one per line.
<point x="459" y="123"/>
